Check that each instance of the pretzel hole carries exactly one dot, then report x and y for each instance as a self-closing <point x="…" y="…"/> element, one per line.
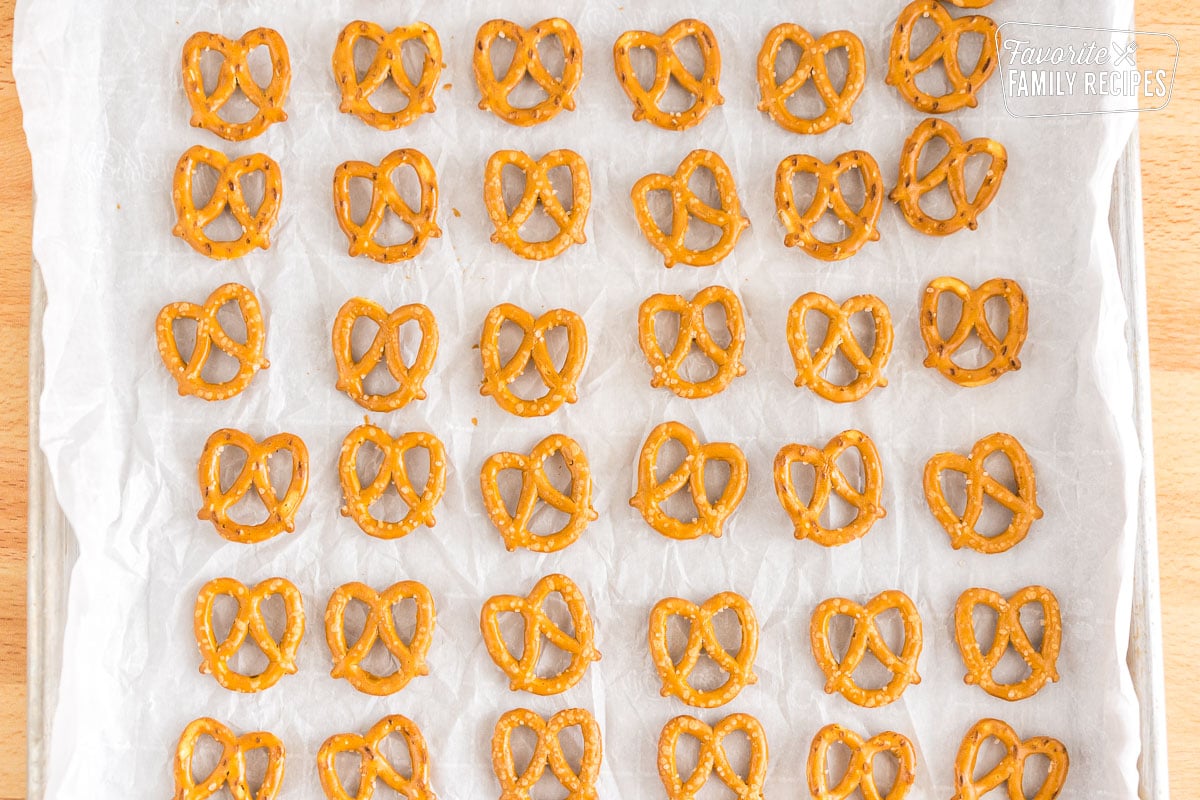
<point x="885" y="770"/>
<point x="998" y="313"/>
<point x="258" y="760"/>
<point x="183" y="330"/>
<point x="989" y="756"/>
<point x="221" y="366"/>
<point x="395" y="750"/>
<point x="702" y="235"/>
<point x="839" y="511"/>
<point x="1036" y="773"/>
<point x="687" y="760"/>
<point x="346" y="764"/>
<point x="975" y="171"/>
<point x="570" y="741"/>
<point x="716" y="479"/>
<point x="522" y="744"/>
<point x="995" y="518"/>
<point x="206" y="756"/>
<point x="546" y="519"/>
<point x="837" y="763"/>
<point x="738" y="750"/>
<point x="937" y="203"/>
<point x="553" y="660"/>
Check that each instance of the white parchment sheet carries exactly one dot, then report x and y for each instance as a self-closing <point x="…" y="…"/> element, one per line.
<point x="107" y="120"/>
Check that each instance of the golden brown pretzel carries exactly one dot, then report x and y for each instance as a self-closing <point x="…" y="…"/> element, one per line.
<point x="538" y="189"/>
<point x="547" y="753"/>
<point x="712" y="757"/>
<point x="392" y="472"/>
<point x="230" y="771"/>
<point x="384" y="197"/>
<point x="810" y="364"/>
<point x="216" y="502"/>
<point x="1009" y="631"/>
<point x="1010" y="772"/>
<point x="973" y="319"/>
<point x="387" y="64"/>
<point x="692" y="329"/>
<point x="811" y="65"/>
<point x="560" y="92"/>
<point x="828" y="479"/>
<point x="702" y="640"/>
<point x="281" y="655"/>
<point x="903" y="68"/>
<point x="380" y="626"/>
<point x="256" y="226"/>
<point x="647" y="101"/>
<point x="373" y="765"/>
<point x="235" y="74"/>
<point x="384" y="347"/>
<point x="560" y="383"/>
<point x="189" y="373"/>
<point x="970" y="3"/>
<point x="860" y="772"/>
<point x="860" y="224"/>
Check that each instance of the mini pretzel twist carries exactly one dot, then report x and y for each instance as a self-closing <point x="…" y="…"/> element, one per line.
<point x="538" y="625"/>
<point x="1010" y="772"/>
<point x="865" y="637"/>
<point x="189" y="373"/>
<point x="230" y="771"/>
<point x="495" y="90"/>
<point x="828" y="479"/>
<point x="860" y="224"/>
<point x="702" y="639"/>
<point x="538" y="189"/>
<point x="651" y="494"/>
<point x="384" y="197"/>
<point x="951" y="170"/>
<point x="1022" y="503"/>
<point x="686" y="204"/>
<point x="973" y="319"/>
<point x="235" y="74"/>
<point x="281" y="655"/>
<point x="970" y="3"/>
<point x="810" y="364"/>
<point x="693" y="329"/>
<point x="373" y="766"/>
<point x="387" y="64"/>
<point x="392" y="472"/>
<point x="903" y="68"/>
<point x="547" y="753"/>
<point x="560" y="383"/>
<point x="647" y="102"/>
<point x="256" y="226"/>
<point x="860" y="772"/>
<point x="1009" y="631"/>
<point x="712" y="757"/>
<point x="812" y="64"/>
<point x="536" y="487"/>
<point x="384" y="347"/>
<point x="380" y="626"/>
<point x="255" y="474"/>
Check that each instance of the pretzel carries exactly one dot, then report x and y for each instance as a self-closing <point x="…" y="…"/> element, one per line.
<point x="828" y="479"/>
<point x="903" y="68"/>
<point x="686" y="204"/>
<point x="970" y="3"/>
<point x="547" y="753"/>
<point x="536" y="486"/>
<point x="256" y="226"/>
<point x="380" y="626"/>
<point x="860" y="224"/>
<point x="712" y="757"/>
<point x="1022" y="503"/>
<point x="189" y="373"/>
<point x="812" y="65"/>
<point x="973" y="319"/>
<point x="387" y="64"/>
<point x="1010" y="772"/>
<point x="647" y="102"/>
<point x="860" y="771"/>
<point x="281" y="654"/>
<point x="693" y="329"/>
<point x="522" y="671"/>
<point x="538" y="189"/>
<point x="560" y="383"/>
<point x="651" y="494"/>
<point x="392" y="472"/>
<point x="911" y="187"/>
<point x="231" y="770"/>
<point x="373" y="766"/>
<point x="1009" y="630"/>
<point x="235" y="74"/>
<point x="863" y="638"/>
<point x="810" y="365"/>
<point x="702" y="639"/>
<point x="215" y="502"/>
<point x="384" y="347"/>
<point x="384" y="196"/>
<point x="495" y="91"/>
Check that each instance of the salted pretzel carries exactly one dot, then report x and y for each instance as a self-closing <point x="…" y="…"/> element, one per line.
<point x="189" y="373"/>
<point x="828" y="479"/>
<point x="1010" y="772"/>
<point x="860" y="223"/>
<point x="647" y="102"/>
<point x="1022" y="502"/>
<point x="385" y="347"/>
<point x="686" y="204"/>
<point x="951" y="170"/>
<point x="970" y="3"/>
<point x="235" y="74"/>
<point x="373" y="766"/>
<point x="536" y="487"/>
<point x="693" y="330"/>
<point x="495" y="90"/>
<point x="1005" y="353"/>
<point x="384" y="197"/>
<point x="538" y="189"/>
<point x="702" y="640"/>
<point x="387" y="64"/>
<point x="249" y="622"/>
<point x="547" y="753"/>
<point x="651" y="494"/>
<point x="712" y="757"/>
<point x="904" y="68"/>
<point x="231" y="771"/>
<point x="811" y="65"/>
<point x="560" y="383"/>
<point x="860" y="771"/>
<point x="216" y="502"/>
<point x="392" y="472"/>
<point x="865" y="637"/>
<point x="811" y="365"/>
<point x="256" y="226"/>
<point x="521" y="671"/>
<point x="380" y="626"/>
<point x="1009" y="631"/>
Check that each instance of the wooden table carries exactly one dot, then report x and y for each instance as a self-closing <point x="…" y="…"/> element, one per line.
<point x="1171" y="173"/>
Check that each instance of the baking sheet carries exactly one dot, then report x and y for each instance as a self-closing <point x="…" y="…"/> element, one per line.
<point x="148" y="679"/>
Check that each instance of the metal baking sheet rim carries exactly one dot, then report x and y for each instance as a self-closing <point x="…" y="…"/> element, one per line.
<point x="51" y="550"/>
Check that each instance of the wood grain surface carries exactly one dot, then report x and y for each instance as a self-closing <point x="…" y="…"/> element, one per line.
<point x="1171" y="174"/>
